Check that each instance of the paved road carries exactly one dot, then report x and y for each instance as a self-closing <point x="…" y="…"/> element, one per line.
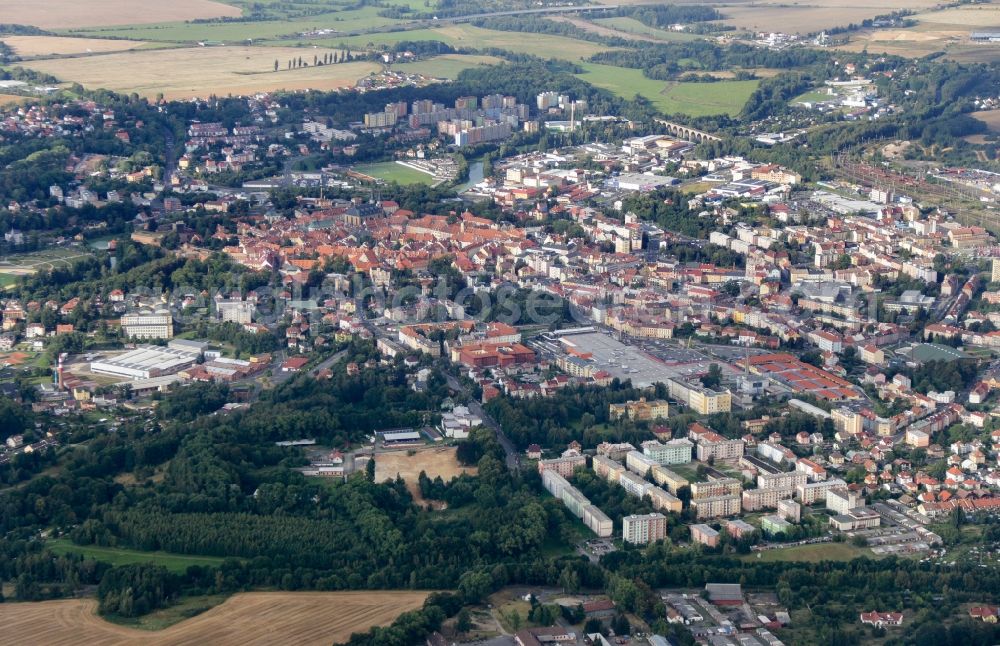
<point x="513" y="457"/>
<point x="326" y="363"/>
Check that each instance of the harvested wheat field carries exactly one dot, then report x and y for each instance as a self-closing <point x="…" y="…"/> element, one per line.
<point x="990" y="117"/>
<point x="70" y="14"/>
<point x="255" y="618"/>
<point x="8" y="99"/>
<point x="34" y="46"/>
<point x="200" y="71"/>
<point x="434" y="461"/>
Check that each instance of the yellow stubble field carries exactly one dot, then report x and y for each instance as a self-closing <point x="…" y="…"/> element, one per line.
<point x="200" y="71"/>
<point x="70" y="14"/>
<point x="250" y="619"/>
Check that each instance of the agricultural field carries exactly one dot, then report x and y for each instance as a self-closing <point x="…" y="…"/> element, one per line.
<point x="693" y="99"/>
<point x="201" y="71"/>
<point x="38" y="46"/>
<point x="119" y="556"/>
<point x="448" y="65"/>
<point x="7" y="99"/>
<point x="393" y="172"/>
<point x="946" y="30"/>
<point x="180" y="32"/>
<point x="249" y="619"/>
<point x="990" y="117"/>
<point x="433" y="461"/>
<point x="70" y="14"/>
<point x="470" y="37"/>
<point x="631" y="26"/>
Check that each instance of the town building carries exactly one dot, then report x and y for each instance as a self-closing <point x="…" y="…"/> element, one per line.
<point x="643" y="529"/>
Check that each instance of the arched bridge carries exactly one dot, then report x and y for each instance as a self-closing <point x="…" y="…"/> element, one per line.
<point x="686" y="133"/>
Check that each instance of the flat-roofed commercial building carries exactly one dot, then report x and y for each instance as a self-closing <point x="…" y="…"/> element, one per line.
<point x="145" y="362"/>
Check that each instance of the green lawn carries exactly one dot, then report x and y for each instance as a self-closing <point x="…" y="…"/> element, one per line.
<point x="185" y="608"/>
<point x="633" y="26"/>
<point x="393" y="172"/>
<point x="447" y="66"/>
<point x="692" y="99"/>
<point x="812" y="553"/>
<point x="7" y="280"/>
<point x="813" y="96"/>
<point x="121" y="556"/>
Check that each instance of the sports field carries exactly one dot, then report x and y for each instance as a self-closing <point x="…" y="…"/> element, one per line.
<point x="393" y="172"/>
<point x="693" y="99"/>
<point x="433" y="461"/>
<point x="249" y="619"/>
<point x="120" y="556"/>
<point x="25" y="264"/>
<point x="812" y="553"/>
<point x="69" y="14"/>
<point x="201" y="71"/>
<point x="447" y="66"/>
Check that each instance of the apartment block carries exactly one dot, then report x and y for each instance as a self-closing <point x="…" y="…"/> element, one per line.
<point x="790" y="510"/>
<point x="614" y="451"/>
<point x="713" y="446"/>
<point x="842" y="500"/>
<point x="705" y="535"/>
<point x="634" y="485"/>
<point x="717" y="506"/>
<point x="713" y="488"/>
<point x="597" y="521"/>
<point x="564" y="466"/>
<point x="663" y="501"/>
<point x="643" y="529"/>
<point x="701" y="400"/>
<point x="148" y="326"/>
<point x="641" y="410"/>
<point x="676" y="451"/>
<point x="639" y="462"/>
<point x="607" y="468"/>
<point x="668" y="479"/>
<point x="756" y="499"/>
<point x="783" y="480"/>
<point x="847" y="421"/>
<point x="813" y="491"/>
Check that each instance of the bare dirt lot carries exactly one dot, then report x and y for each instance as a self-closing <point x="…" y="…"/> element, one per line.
<point x="32" y="46"/>
<point x="69" y="14"/>
<point x="201" y="71"/>
<point x="255" y="618"/>
<point x="434" y="461"/>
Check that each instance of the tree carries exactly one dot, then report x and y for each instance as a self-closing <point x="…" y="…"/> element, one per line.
<point x="463" y="623"/>
<point x="370" y="470"/>
<point x="276" y="65"/>
<point x="569" y="580"/>
<point x="714" y="376"/>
